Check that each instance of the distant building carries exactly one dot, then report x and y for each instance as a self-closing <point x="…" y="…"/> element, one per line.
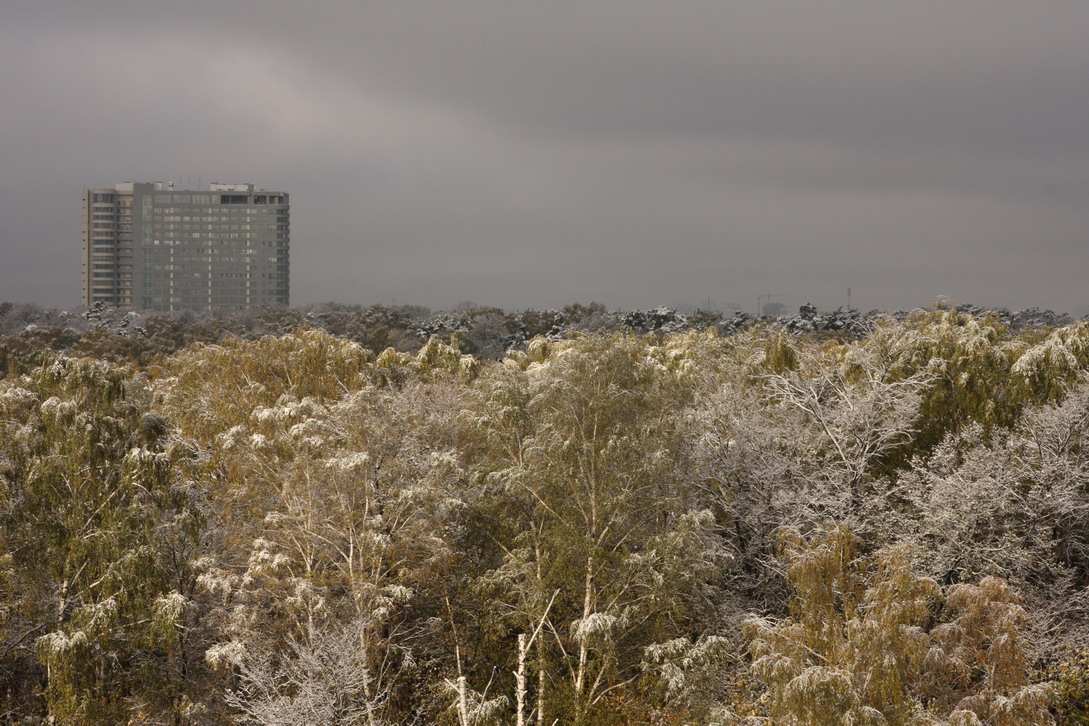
<point x="149" y="246"/>
<point x="773" y="309"/>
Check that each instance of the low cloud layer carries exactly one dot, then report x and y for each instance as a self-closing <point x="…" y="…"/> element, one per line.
<point x="536" y="154"/>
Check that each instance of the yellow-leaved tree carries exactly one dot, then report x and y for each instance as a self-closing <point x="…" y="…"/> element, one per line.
<point x="871" y="642"/>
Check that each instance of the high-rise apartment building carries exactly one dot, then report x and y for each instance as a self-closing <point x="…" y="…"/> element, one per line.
<point x="149" y="246"/>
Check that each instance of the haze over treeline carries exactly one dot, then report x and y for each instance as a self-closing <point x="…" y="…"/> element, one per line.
<point x="526" y="156"/>
<point x="877" y="525"/>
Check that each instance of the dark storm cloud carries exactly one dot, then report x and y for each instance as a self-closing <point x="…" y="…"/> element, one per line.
<point x="533" y="154"/>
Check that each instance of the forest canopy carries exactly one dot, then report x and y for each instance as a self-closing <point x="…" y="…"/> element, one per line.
<point x="365" y="516"/>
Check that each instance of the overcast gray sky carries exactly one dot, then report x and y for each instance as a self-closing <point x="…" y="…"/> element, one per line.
<point x="532" y="154"/>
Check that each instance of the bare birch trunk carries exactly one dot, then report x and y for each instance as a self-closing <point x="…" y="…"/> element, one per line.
<point x="541" y="685"/>
<point x="584" y="646"/>
<point x="463" y="703"/>
<point x="540" y="655"/>
<point x="584" y="649"/>
<point x="520" y="681"/>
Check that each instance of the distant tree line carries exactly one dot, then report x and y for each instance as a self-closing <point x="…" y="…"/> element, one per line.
<point x="109" y="333"/>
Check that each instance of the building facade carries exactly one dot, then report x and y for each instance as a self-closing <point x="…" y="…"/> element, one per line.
<point x="149" y="246"/>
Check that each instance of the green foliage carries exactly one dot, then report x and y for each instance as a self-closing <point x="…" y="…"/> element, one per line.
<point x="703" y="319"/>
<point x="779" y="354"/>
<point x="22" y="353"/>
<point x="1070" y="680"/>
<point x="377" y="327"/>
<point x="95" y="522"/>
<point x="207" y="389"/>
<point x="577" y="313"/>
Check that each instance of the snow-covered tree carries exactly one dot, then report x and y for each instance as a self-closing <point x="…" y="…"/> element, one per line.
<point x="323" y="677"/>
<point x="583" y="451"/>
